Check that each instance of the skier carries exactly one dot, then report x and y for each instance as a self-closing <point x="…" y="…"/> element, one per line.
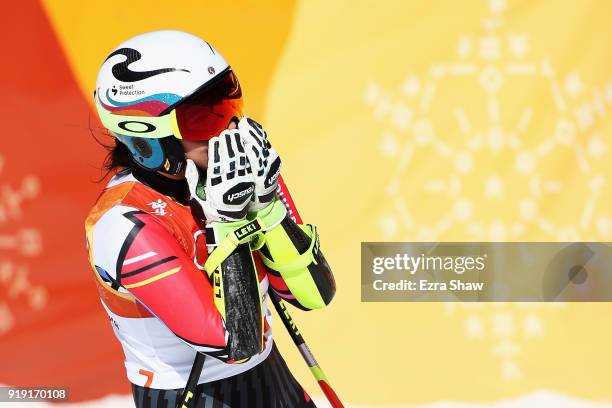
<point x="189" y="235"/>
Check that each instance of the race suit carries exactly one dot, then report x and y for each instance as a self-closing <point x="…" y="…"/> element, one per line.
<point x="147" y="251"/>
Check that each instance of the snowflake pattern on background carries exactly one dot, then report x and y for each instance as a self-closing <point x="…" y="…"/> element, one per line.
<point x="17" y="241"/>
<point x="412" y="130"/>
<point x="493" y="59"/>
<point x="505" y="327"/>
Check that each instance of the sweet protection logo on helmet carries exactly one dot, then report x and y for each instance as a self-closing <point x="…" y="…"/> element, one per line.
<point x="122" y="72"/>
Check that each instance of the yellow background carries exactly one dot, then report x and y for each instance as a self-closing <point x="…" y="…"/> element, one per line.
<point x="330" y="80"/>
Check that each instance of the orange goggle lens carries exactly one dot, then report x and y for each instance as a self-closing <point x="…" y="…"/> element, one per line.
<point x="210" y="110"/>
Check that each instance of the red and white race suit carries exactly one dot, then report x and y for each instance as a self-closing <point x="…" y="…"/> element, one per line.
<point x="144" y="247"/>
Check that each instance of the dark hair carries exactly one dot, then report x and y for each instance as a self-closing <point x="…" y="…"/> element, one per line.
<point x="118" y="158"/>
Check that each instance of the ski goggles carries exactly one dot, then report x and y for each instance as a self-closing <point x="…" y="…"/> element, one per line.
<point x="199" y="116"/>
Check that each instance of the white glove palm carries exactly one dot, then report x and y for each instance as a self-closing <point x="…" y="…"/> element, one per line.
<point x="264" y="160"/>
<point x="226" y="188"/>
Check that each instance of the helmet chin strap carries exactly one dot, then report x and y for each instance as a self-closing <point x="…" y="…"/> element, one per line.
<point x="164" y="183"/>
<point x="180" y="176"/>
<point x="174" y="161"/>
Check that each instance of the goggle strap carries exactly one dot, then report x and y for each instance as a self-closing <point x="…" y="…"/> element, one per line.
<point x="174" y="124"/>
<point x="150" y="127"/>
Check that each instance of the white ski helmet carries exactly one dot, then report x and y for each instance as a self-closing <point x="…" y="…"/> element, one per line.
<point x="162" y="86"/>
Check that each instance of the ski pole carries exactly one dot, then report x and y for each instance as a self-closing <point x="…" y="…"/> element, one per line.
<point x="281" y="309"/>
<point x="192" y="381"/>
<point x="309" y="358"/>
